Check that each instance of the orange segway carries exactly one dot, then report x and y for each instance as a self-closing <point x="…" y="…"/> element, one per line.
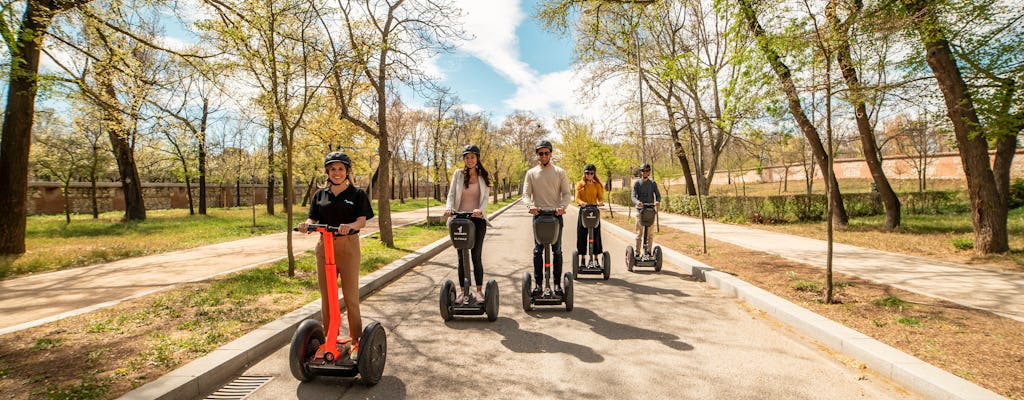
<point x="313" y="353"/>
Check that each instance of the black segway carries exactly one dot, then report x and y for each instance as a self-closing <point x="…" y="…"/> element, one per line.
<point x="545" y="232"/>
<point x="463" y="236"/>
<point x="647" y="258"/>
<point x="591" y="218"/>
<point x="315" y="351"/>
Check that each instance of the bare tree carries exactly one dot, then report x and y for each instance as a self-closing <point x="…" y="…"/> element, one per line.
<point x="60" y="154"/>
<point x="796" y="108"/>
<point x="279" y="46"/>
<point x="384" y="42"/>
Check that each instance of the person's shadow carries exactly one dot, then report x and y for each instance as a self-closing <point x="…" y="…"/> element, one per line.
<point x="619" y="331"/>
<point x="521" y="341"/>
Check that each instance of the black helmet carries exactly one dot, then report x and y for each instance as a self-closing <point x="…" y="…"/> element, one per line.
<point x="590" y="167"/>
<point x="542" y="144"/>
<point x="645" y="167"/>
<point x="337" y="156"/>
<point x="471" y="148"/>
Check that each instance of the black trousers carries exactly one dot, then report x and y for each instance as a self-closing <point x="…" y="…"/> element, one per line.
<point x="581" y="238"/>
<point x="480" y="228"/>
<point x="538" y="258"/>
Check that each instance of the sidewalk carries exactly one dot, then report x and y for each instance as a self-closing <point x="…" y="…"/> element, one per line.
<point x="998" y="292"/>
<point x="38" y="299"/>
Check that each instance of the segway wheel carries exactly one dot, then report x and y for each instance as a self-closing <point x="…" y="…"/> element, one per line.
<point x="305" y="341"/>
<point x="567" y="296"/>
<point x="491" y="300"/>
<point x="447" y="299"/>
<point x="630" y="258"/>
<point x="606" y="259"/>
<point x="575" y="264"/>
<point x="527" y="297"/>
<point x="373" y="353"/>
<point x="657" y="258"/>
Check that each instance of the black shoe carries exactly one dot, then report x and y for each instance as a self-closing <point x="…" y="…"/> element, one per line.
<point x="537" y="291"/>
<point x="558" y="291"/>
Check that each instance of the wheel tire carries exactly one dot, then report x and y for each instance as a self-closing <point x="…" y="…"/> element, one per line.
<point x="491" y="300"/>
<point x="657" y="258"/>
<point x="305" y="341"/>
<point x="575" y="264"/>
<point x="373" y="354"/>
<point x="527" y="297"/>
<point x="607" y="264"/>
<point x="630" y="258"/>
<point x="447" y="300"/>
<point x="567" y="297"/>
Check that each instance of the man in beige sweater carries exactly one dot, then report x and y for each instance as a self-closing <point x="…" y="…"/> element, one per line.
<point x="546" y="187"/>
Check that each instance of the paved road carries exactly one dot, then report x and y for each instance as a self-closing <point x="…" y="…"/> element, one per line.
<point x="998" y="292"/>
<point x="638" y="335"/>
<point x="37" y="299"/>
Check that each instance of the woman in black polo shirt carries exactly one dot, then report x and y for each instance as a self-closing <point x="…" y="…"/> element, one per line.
<point x="341" y="204"/>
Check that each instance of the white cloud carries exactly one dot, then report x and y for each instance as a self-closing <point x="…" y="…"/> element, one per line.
<point x="491" y="26"/>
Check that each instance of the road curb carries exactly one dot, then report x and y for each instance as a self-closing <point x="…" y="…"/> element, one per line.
<point x="205" y="374"/>
<point x="904" y="369"/>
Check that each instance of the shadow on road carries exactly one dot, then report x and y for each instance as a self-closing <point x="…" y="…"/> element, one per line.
<point x="521" y="341"/>
<point x="618" y="331"/>
<point x="389" y="387"/>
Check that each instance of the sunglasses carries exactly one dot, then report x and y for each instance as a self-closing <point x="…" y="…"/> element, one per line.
<point x="645" y="170"/>
<point x="543" y="153"/>
<point x="588" y="173"/>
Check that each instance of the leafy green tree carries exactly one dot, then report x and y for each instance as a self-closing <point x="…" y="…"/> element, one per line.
<point x="982" y="98"/>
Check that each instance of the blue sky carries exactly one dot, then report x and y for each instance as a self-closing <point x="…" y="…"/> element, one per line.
<point x="509" y="63"/>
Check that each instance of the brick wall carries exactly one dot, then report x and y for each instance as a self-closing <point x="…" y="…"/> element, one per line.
<point x="46" y="197"/>
<point x="940" y="166"/>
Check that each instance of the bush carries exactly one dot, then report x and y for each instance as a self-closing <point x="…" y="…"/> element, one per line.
<point x="801" y="207"/>
<point x="1016" y="194"/>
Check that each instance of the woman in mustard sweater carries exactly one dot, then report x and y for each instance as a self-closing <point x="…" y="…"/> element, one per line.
<point x="589" y="190"/>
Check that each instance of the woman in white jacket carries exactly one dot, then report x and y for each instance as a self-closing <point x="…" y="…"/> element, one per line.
<point x="468" y="193"/>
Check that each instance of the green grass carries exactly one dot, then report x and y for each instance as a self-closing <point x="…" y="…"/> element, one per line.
<point x="53" y="245"/>
<point x="891" y="302"/>
<point x="908" y="321"/>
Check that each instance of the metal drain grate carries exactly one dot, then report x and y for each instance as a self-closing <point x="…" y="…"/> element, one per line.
<point x="240" y="388"/>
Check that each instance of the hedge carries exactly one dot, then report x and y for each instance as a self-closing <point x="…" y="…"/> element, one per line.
<point x="801" y="207"/>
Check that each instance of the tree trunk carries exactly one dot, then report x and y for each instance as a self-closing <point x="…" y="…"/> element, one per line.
<point x="681" y="156"/>
<point x="988" y="207"/>
<point x="270" y="167"/>
<point x="867" y="136"/>
<point x="383" y="174"/>
<point x="188" y="194"/>
<point x="67" y="202"/>
<point x="795" y="107"/>
<point x="17" y="126"/>
<point x="202" y="157"/>
<point x="134" y="204"/>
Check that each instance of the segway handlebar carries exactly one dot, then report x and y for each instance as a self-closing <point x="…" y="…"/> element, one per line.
<point x="648" y="205"/>
<point x="328" y="228"/>
<point x="547" y="212"/>
<point x="462" y="215"/>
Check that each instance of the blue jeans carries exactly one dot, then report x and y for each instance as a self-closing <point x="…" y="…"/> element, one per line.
<point x="538" y="258"/>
